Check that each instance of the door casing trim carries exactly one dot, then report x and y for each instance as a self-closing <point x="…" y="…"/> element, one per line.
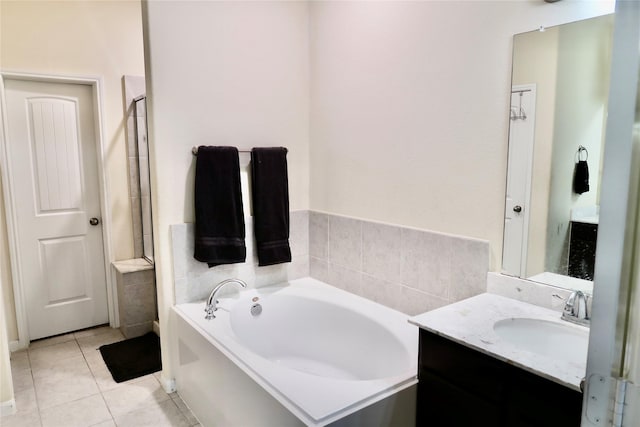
<point x="96" y="84"/>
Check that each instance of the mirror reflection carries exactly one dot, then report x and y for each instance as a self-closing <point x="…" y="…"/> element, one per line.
<point x="142" y="154"/>
<point x="558" y="113"/>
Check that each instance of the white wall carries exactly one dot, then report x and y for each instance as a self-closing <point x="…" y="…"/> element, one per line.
<point x="6" y="281"/>
<point x="220" y="73"/>
<point x="85" y="38"/>
<point x="7" y="402"/>
<point x="392" y="111"/>
<point x="409" y="107"/>
<point x="82" y="38"/>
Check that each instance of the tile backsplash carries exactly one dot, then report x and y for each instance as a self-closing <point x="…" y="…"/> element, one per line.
<point x="137" y="306"/>
<point x="194" y="280"/>
<point x="539" y="294"/>
<point x="410" y="270"/>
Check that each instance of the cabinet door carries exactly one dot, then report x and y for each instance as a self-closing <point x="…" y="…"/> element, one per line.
<point x="582" y="250"/>
<point x="464" y="367"/>
<point x="442" y="404"/>
<point x="535" y="402"/>
<point x="460" y="387"/>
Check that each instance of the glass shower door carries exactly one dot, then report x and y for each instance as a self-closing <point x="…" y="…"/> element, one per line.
<point x="142" y="148"/>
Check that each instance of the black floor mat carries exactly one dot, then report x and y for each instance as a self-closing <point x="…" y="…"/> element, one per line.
<point x="133" y="358"/>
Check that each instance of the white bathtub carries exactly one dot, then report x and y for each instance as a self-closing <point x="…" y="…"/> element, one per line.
<point x="316" y="355"/>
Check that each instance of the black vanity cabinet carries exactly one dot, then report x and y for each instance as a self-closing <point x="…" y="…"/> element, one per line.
<point x="460" y="387"/>
<point x="582" y="250"/>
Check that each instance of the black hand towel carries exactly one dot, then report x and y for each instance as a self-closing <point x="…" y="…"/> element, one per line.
<point x="219" y="234"/>
<point x="581" y="177"/>
<point x="270" y="197"/>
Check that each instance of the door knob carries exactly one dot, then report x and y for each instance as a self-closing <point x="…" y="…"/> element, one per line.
<point x="517" y="208"/>
<point x="94" y="221"/>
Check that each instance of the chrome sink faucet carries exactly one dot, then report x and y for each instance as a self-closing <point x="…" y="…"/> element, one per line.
<point x="212" y="302"/>
<point x="576" y="309"/>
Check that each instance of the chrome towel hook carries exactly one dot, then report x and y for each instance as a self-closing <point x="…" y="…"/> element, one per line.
<point x="518" y="113"/>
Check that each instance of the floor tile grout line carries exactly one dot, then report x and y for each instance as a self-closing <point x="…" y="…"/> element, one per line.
<point x="185" y="413"/>
<point x="150" y="404"/>
<point x="40" y="410"/>
<point x="84" y="397"/>
<point x="178" y="408"/>
<point x="35" y="391"/>
<point x="113" y="418"/>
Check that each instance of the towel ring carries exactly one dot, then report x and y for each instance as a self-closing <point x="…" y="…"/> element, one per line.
<point x="581" y="149"/>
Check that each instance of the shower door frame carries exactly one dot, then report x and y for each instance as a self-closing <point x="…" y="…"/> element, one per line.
<point x="616" y="276"/>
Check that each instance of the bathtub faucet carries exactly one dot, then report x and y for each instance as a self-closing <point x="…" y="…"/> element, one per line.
<point x="212" y="302"/>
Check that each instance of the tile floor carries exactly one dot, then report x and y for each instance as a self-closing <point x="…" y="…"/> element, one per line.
<point x="63" y="382"/>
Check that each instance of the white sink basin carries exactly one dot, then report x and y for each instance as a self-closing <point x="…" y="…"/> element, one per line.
<point x="552" y="339"/>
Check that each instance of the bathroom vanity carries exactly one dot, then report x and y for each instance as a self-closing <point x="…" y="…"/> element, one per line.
<point x="582" y="249"/>
<point x="494" y="361"/>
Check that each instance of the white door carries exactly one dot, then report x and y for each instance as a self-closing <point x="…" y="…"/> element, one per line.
<point x="516" y="215"/>
<point x="52" y="154"/>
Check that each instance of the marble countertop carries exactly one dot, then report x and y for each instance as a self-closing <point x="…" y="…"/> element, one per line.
<point x="586" y="214"/>
<point x="470" y="323"/>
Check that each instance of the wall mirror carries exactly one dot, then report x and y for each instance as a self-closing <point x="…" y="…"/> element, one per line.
<point x="560" y="88"/>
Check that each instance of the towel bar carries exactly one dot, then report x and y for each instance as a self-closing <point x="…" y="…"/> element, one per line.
<point x="194" y="151"/>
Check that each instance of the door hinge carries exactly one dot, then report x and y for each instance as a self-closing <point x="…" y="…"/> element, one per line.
<point x="619" y="402"/>
<point x="608" y="398"/>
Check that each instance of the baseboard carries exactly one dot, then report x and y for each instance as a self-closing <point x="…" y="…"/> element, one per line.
<point x="169" y="385"/>
<point x="7" y="408"/>
<point x="16" y="346"/>
<point x="156" y="327"/>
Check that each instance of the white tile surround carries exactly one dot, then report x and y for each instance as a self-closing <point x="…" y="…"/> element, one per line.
<point x="194" y="280"/>
<point x="410" y="270"/>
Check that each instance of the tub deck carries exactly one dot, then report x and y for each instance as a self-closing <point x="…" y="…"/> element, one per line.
<point x="216" y="367"/>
